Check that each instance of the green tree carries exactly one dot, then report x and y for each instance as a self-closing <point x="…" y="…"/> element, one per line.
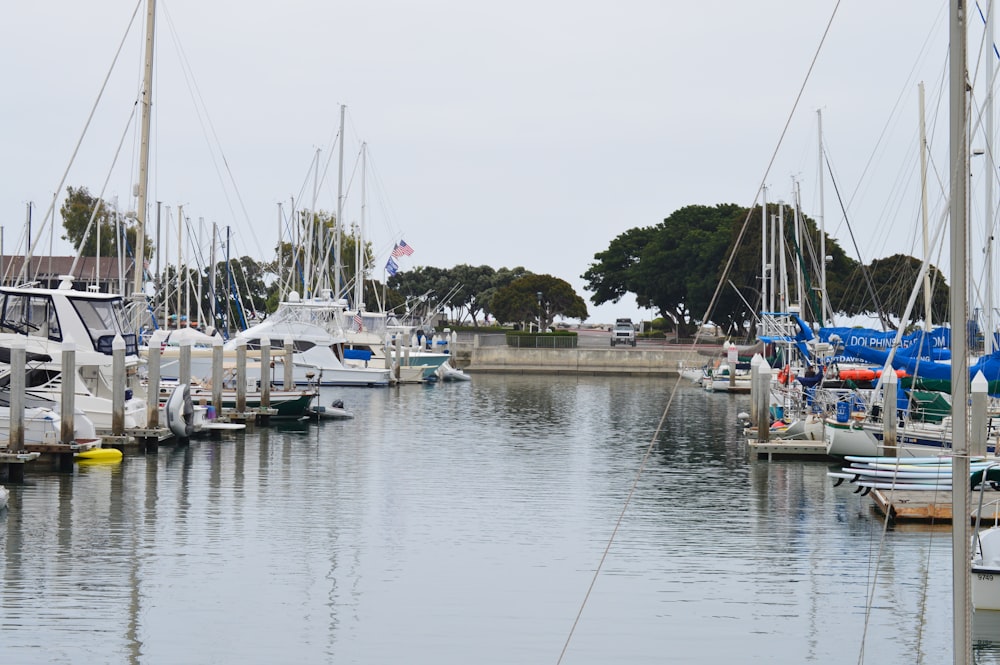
<point x="893" y="279"/>
<point x="76" y="212"/>
<point x="291" y="266"/>
<point x="679" y="266"/>
<point x="537" y="298"/>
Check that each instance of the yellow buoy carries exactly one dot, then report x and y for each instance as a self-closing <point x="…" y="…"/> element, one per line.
<point x="100" y="454"/>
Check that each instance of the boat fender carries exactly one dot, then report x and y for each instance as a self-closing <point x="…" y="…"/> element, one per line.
<point x="786" y="376"/>
<point x="180" y="412"/>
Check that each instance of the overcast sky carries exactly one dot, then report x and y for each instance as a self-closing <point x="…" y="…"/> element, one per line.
<point x="508" y="134"/>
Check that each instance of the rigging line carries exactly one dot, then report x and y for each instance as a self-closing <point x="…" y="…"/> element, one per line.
<point x="49" y="215"/>
<point x="980" y="10"/>
<point x="621" y="516"/>
<point x="760" y="187"/>
<point x="201" y="111"/>
<point x="871" y="158"/>
<point x="854" y="241"/>
<point x="100" y="197"/>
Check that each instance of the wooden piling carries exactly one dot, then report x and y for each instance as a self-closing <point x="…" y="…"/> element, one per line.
<point x="241" y="376"/>
<point x="289" y="379"/>
<point x="263" y="417"/>
<point x="979" y="388"/>
<point x="217" y="375"/>
<point x="18" y="355"/>
<point x="153" y="387"/>
<point x="67" y="394"/>
<point x="117" y="386"/>
<point x="889" y="418"/>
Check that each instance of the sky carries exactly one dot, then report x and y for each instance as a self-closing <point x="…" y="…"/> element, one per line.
<point x="507" y="134"/>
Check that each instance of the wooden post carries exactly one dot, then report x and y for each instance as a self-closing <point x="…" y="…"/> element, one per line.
<point x="241" y="376"/>
<point x="289" y="382"/>
<point x="153" y="386"/>
<point x="118" y="386"/>
<point x="977" y="444"/>
<point x="66" y="404"/>
<point x="265" y="373"/>
<point x="889" y="420"/>
<point x="764" y="401"/>
<point x="18" y="353"/>
<point x="217" y="375"/>
<point x="184" y="368"/>
<point x="754" y="385"/>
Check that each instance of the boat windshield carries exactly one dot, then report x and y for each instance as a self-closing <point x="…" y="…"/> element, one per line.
<point x="31" y="315"/>
<point x="103" y="319"/>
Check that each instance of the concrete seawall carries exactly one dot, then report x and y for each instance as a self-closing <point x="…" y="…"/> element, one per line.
<point x="620" y="361"/>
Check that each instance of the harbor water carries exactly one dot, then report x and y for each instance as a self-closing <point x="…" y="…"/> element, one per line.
<point x="463" y="523"/>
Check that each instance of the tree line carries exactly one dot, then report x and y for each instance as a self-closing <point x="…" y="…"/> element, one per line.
<point x="679" y="266"/>
<point x="235" y="292"/>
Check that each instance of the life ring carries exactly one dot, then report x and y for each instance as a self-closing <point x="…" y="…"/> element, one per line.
<point x="180" y="412"/>
<point x="786" y="375"/>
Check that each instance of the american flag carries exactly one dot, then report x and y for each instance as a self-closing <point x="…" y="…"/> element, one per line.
<point x="401" y="249"/>
<point x="357" y="320"/>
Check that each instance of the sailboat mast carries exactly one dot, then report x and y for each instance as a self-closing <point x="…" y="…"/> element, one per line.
<point x="783" y="297"/>
<point x="958" y="164"/>
<point x="339" y="226"/>
<point x="147" y="102"/>
<point x="359" y="254"/>
<point x="923" y="208"/>
<point x="825" y="302"/>
<point x="990" y="174"/>
<point x="799" y="277"/>
<point x="180" y="258"/>
<point x="763" y="248"/>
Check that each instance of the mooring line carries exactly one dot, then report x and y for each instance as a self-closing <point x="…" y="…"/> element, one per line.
<point x="621" y="516"/>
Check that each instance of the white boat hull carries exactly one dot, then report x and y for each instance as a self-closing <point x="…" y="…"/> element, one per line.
<point x="986" y="571"/>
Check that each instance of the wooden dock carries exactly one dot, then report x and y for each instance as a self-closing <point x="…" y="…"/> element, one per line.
<point x="928" y="506"/>
<point x="787" y="449"/>
<point x="12" y="464"/>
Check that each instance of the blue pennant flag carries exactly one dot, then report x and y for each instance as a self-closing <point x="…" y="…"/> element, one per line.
<point x="391" y="267"/>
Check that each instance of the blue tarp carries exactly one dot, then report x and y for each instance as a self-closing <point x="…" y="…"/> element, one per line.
<point x="357" y="354"/>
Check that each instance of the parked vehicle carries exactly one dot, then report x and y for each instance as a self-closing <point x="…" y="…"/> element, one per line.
<point x="623" y="332"/>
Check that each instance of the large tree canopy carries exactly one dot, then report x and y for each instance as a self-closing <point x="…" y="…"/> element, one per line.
<point x="537" y="298"/>
<point x="893" y="280"/>
<point x="682" y="268"/>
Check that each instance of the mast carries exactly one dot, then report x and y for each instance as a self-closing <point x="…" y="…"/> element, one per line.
<point x="923" y="209"/>
<point x="281" y="270"/>
<point x="180" y="252"/>
<point x="825" y="303"/>
<point x="338" y="226"/>
<point x="763" y="249"/>
<point x="958" y="165"/>
<point x="211" y="284"/>
<point x="783" y="296"/>
<point x="147" y="102"/>
<point x="308" y="283"/>
<point x="799" y="277"/>
<point x="359" y="241"/>
<point x="991" y="173"/>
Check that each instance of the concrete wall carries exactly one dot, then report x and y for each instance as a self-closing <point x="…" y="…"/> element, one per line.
<point x="624" y="361"/>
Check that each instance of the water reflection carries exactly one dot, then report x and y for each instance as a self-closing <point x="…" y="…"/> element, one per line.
<point x="465" y="521"/>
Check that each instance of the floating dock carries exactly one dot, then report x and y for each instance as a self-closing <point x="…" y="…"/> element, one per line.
<point x="932" y="506"/>
<point x="787" y="449"/>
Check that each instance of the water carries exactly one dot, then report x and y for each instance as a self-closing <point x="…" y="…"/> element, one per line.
<point x="462" y="523"/>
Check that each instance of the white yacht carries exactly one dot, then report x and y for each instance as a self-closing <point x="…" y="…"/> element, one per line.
<point x="43" y="319"/>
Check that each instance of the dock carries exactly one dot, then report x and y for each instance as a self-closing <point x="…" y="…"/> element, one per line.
<point x="787" y="449"/>
<point x="12" y="464"/>
<point x="927" y="506"/>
